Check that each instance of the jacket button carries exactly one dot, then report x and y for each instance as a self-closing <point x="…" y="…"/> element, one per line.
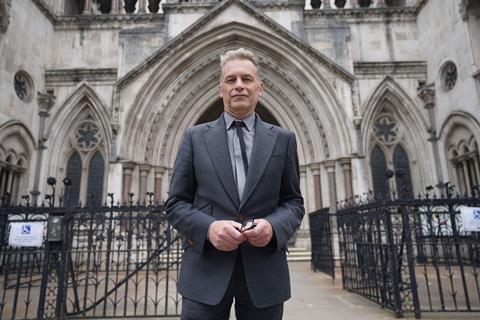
<point x="191" y="242"/>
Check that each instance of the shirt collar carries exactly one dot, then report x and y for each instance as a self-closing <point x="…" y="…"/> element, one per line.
<point x="249" y="121"/>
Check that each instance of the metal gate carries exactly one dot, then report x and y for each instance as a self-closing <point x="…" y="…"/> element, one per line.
<point x="110" y="262"/>
<point x="411" y="255"/>
<point x="321" y="240"/>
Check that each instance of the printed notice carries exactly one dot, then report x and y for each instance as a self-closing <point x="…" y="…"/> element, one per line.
<point x="470" y="218"/>
<point x="26" y="234"/>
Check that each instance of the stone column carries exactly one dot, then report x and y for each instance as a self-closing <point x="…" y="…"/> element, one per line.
<point x="427" y="94"/>
<point x="9" y="184"/>
<point x="142" y="6"/>
<point x="466" y="175"/>
<point x="347" y="177"/>
<point x="3" y="183"/>
<point x="87" y="9"/>
<point x="332" y="192"/>
<point x="301" y="240"/>
<point x="15" y="185"/>
<point x="326" y="4"/>
<point x="476" y="164"/>
<point x="159" y="171"/>
<point x="332" y="189"/>
<point x="144" y="170"/>
<point x="46" y="101"/>
<point x="127" y="180"/>
<point x="457" y="175"/>
<point x="115" y="7"/>
<point x="3" y="172"/>
<point x="317" y="185"/>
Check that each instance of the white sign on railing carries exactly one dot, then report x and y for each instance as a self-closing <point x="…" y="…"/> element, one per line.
<point x="470" y="218"/>
<point x="26" y="234"/>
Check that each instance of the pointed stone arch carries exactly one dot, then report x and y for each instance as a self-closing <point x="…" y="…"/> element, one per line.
<point x="389" y="96"/>
<point x="299" y="93"/>
<point x="17" y="147"/>
<point x="80" y="112"/>
<point x="460" y="137"/>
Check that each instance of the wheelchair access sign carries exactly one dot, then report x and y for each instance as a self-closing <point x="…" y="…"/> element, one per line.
<point x="470" y="218"/>
<point x="26" y="234"/>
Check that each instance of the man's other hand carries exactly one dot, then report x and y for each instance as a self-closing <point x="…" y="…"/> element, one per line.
<point x="261" y="235"/>
<point x="224" y="235"/>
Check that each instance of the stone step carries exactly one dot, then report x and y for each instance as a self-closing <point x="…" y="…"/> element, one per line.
<point x="299" y="254"/>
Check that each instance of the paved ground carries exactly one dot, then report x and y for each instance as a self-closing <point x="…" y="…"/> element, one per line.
<point x="315" y="297"/>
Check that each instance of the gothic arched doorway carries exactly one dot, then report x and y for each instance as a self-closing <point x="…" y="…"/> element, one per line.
<point x="216" y="110"/>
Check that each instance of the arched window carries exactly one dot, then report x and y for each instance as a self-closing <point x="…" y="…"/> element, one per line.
<point x="15" y="148"/>
<point x="86" y="164"/>
<point x="379" y="167"/>
<point x="74" y="173"/>
<point x="390" y="164"/>
<point x="402" y="172"/>
<point x="96" y="171"/>
<point x="463" y="152"/>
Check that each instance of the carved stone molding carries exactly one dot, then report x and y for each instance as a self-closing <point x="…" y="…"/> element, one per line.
<point x="357" y="15"/>
<point x="107" y="21"/>
<point x="178" y="41"/>
<point x="5" y="6"/>
<point x="476" y="75"/>
<point x="345" y="162"/>
<point x="329" y="165"/>
<point x="186" y="7"/>
<point x="427" y="94"/>
<point x="412" y="69"/>
<point x="97" y="21"/>
<point x="46" y="101"/>
<point x="61" y="77"/>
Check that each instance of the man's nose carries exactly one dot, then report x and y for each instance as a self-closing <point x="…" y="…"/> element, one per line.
<point x="239" y="84"/>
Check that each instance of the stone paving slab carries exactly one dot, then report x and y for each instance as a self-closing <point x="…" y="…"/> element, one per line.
<point x="316" y="297"/>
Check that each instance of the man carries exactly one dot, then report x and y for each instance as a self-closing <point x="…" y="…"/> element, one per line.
<point x="235" y="196"/>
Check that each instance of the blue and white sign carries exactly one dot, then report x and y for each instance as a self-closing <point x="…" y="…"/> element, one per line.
<point x="470" y="218"/>
<point x="26" y="234"/>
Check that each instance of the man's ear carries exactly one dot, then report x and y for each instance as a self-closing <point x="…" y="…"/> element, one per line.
<point x="220" y="90"/>
<point x="260" y="88"/>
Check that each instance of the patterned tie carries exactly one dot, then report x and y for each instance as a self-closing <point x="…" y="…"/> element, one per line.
<point x="238" y="126"/>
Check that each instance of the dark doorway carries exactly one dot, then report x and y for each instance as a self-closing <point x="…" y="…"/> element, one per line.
<point x="216" y="110"/>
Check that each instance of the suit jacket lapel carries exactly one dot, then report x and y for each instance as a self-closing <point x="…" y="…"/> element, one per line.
<point x="263" y="144"/>
<point x="215" y="138"/>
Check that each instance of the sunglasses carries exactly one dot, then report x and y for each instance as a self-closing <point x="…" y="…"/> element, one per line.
<point x="248" y="224"/>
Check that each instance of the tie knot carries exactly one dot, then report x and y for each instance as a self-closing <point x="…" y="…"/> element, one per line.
<point x="239" y="124"/>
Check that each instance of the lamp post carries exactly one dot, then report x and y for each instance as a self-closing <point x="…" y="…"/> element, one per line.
<point x="51" y="181"/>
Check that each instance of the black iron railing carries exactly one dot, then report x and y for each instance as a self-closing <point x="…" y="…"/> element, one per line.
<point x="411" y="255"/>
<point x="321" y="240"/>
<point x="103" y="262"/>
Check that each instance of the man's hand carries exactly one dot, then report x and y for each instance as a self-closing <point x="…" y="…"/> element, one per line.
<point x="224" y="235"/>
<point x="261" y="235"/>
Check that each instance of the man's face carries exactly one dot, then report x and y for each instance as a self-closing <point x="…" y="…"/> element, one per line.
<point x="240" y="87"/>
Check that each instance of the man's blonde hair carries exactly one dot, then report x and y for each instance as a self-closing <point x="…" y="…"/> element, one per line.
<point x="238" y="54"/>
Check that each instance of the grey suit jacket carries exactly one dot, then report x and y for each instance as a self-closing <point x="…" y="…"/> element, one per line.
<point x="203" y="190"/>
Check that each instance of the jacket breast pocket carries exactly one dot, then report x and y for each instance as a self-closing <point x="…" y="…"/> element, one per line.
<point x="277" y="157"/>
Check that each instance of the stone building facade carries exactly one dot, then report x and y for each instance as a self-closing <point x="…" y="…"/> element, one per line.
<point x="100" y="91"/>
